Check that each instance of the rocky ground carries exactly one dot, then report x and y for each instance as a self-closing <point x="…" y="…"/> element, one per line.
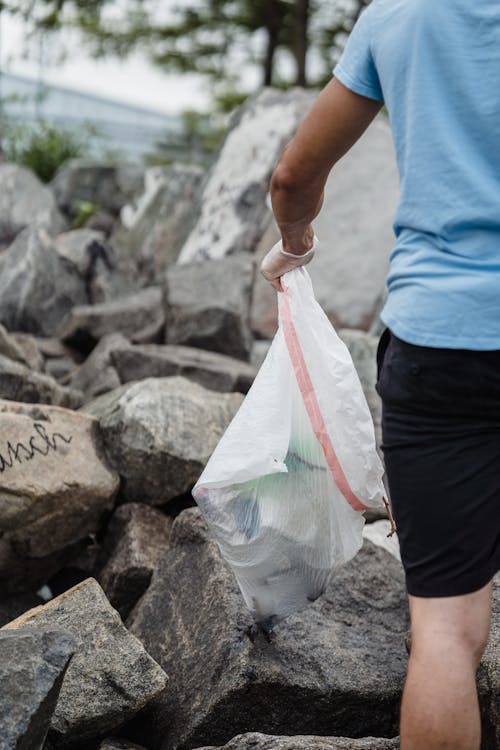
<point x="126" y="347"/>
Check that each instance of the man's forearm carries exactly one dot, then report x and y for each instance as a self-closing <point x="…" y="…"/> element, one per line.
<point x="295" y="204"/>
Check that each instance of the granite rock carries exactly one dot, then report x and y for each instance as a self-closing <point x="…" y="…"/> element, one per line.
<point x="110" y="676"/>
<point x="159" y="433"/>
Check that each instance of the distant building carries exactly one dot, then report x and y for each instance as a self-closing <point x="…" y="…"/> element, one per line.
<point x="123" y="128"/>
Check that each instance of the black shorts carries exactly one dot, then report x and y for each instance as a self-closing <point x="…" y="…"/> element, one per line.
<point x="441" y="446"/>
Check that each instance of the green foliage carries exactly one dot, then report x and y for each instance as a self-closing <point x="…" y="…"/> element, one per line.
<point x="42" y="147"/>
<point x="83" y="211"/>
<point x="200" y="138"/>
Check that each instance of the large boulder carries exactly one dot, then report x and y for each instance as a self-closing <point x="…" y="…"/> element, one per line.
<point x="489" y="678"/>
<point x="256" y="741"/>
<point x="19" y="383"/>
<point x="334" y="669"/>
<point x="159" y="433"/>
<point x="210" y="369"/>
<point x="41" y="279"/>
<point x="115" y="361"/>
<point x="110" y="676"/>
<point x="355" y="232"/>
<point x="153" y="231"/>
<point x="32" y="668"/>
<point x="107" y="185"/>
<point x="132" y="315"/>
<point x="233" y="207"/>
<point x="55" y="489"/>
<point x="136" y="539"/>
<point x="207" y="305"/>
<point x="25" y="201"/>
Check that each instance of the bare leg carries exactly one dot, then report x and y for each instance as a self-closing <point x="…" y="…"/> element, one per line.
<point x="440" y="709"/>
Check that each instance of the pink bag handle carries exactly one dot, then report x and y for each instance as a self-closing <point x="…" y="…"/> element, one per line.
<point x="311" y="402"/>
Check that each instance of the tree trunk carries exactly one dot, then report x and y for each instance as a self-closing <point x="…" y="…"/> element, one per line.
<point x="273" y="20"/>
<point x="301" y="42"/>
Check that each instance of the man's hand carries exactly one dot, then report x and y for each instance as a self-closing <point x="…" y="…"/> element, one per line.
<point x="278" y="261"/>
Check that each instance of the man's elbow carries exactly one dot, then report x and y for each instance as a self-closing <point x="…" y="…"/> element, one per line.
<point x="284" y="180"/>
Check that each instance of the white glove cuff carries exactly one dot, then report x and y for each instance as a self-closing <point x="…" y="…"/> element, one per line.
<point x="302" y="255"/>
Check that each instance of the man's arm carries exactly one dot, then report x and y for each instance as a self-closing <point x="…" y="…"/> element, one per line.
<point x="333" y="124"/>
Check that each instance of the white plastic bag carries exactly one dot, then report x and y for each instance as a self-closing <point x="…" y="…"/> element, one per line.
<point x="285" y="487"/>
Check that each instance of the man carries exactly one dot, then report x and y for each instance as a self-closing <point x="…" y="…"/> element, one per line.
<point x="436" y="67"/>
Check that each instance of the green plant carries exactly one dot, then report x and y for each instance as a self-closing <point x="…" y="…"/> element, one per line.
<point x="42" y="147"/>
<point x="83" y="211"/>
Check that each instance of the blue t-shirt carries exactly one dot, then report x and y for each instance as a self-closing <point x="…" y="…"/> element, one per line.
<point x="436" y="66"/>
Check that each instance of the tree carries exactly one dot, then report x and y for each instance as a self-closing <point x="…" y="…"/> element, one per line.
<point x="215" y="38"/>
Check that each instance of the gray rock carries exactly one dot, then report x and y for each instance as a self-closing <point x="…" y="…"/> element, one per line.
<point x="159" y="434"/>
<point x="255" y="741"/>
<point x="110" y="676"/>
<point x="208" y="305"/>
<point x="97" y="373"/>
<point x="19" y="383"/>
<point x="154" y="230"/>
<point x="355" y="232"/>
<point x="55" y="489"/>
<point x="210" y="369"/>
<point x="233" y="209"/>
<point x="42" y="279"/>
<point x="335" y="669"/>
<point x="108" y="185"/>
<point x="136" y="539"/>
<point x="32" y="669"/>
<point x="129" y="314"/>
<point x="117" y="744"/>
<point x="25" y="201"/>
<point x="106" y="273"/>
<point x="60" y="368"/>
<point x="489" y="678"/>
<point x="10" y="348"/>
<point x="31" y="353"/>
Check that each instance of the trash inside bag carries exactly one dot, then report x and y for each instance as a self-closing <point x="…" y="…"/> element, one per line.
<point x="286" y="486"/>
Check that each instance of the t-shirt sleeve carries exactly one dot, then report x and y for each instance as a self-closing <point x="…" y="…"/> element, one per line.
<point x="356" y="67"/>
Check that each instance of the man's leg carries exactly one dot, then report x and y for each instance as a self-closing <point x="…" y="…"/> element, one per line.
<point x="440" y="709"/>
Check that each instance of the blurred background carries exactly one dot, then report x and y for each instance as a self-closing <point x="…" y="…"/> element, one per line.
<point x="150" y="80"/>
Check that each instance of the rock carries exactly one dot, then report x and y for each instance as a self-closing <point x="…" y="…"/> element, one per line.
<point x="233" y="209"/>
<point x="106" y="274"/>
<point x="55" y="489"/>
<point x="154" y="230"/>
<point x="97" y="373"/>
<point x="42" y="279"/>
<point x="60" y="368"/>
<point x="130" y="314"/>
<point x="19" y="383"/>
<point x="32" y="669"/>
<point x="255" y="741"/>
<point x="25" y="201"/>
<point x="14" y="605"/>
<point x="489" y="678"/>
<point x="10" y="348"/>
<point x="107" y="185"/>
<point x="259" y="352"/>
<point x="116" y="744"/>
<point x="355" y="232"/>
<point x="159" y="434"/>
<point x="210" y="369"/>
<point x="110" y="676"/>
<point x="377" y="532"/>
<point x="136" y="539"/>
<point x="207" y="305"/>
<point x="335" y="669"/>
<point x="31" y="353"/>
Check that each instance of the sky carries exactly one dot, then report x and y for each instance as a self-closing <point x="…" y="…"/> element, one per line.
<point x="134" y="80"/>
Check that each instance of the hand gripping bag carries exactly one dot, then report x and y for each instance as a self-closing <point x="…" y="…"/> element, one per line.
<point x="286" y="486"/>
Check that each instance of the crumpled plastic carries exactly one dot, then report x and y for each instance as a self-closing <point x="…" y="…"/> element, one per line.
<point x="285" y="489"/>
